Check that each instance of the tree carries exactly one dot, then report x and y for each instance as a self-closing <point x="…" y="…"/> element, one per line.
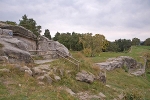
<point x="93" y="44"/>
<point x="135" y="41"/>
<point x="147" y="42"/>
<point x="56" y="38"/>
<point x="64" y="38"/>
<point x="74" y="42"/>
<point x="123" y="44"/>
<point x="112" y="46"/>
<point x="30" y="24"/>
<point x="47" y="34"/>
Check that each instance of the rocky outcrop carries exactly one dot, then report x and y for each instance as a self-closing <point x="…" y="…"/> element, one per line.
<point x="119" y="62"/>
<point x="3" y="59"/>
<point x="30" y="42"/>
<point x="15" y="50"/>
<point x="84" y="95"/>
<point x="50" y="47"/>
<point x="84" y="76"/>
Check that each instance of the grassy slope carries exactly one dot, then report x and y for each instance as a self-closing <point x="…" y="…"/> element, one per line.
<point x="118" y="79"/>
<point x="122" y="81"/>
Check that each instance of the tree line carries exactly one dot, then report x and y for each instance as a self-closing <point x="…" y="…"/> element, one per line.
<point x="90" y="44"/>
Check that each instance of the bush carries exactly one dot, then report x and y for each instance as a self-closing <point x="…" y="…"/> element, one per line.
<point x="134" y="94"/>
<point x="1" y="45"/>
<point x="87" y="52"/>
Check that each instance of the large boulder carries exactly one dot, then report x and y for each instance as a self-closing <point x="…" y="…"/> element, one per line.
<point x="15" y="50"/>
<point x="84" y="76"/>
<point x="6" y="32"/>
<point x="119" y="62"/>
<point x="50" y="48"/>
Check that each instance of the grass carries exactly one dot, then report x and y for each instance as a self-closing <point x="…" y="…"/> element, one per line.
<point x="120" y="79"/>
<point x="28" y="88"/>
<point x="18" y="86"/>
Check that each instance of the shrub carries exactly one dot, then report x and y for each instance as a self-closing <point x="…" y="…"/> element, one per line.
<point x="134" y="94"/>
<point x="1" y="45"/>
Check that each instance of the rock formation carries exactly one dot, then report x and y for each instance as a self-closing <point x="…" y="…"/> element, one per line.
<point x="84" y="76"/>
<point x="15" y="50"/>
<point x="119" y="62"/>
<point x="129" y="63"/>
<point x="20" y="43"/>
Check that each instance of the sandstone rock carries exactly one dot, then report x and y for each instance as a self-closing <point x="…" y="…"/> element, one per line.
<point x="121" y="96"/>
<point x="61" y="48"/>
<point x="4" y="59"/>
<point x="102" y="77"/>
<point x="49" y="79"/>
<point x="41" y="78"/>
<point x="50" y="47"/>
<point x="138" y="72"/>
<point x="6" y="32"/>
<point x="70" y="91"/>
<point x="29" y="72"/>
<point x="19" y="85"/>
<point x="41" y="69"/>
<point x="85" y="77"/>
<point x="118" y="62"/>
<point x="87" y="96"/>
<point x="83" y="95"/>
<point x="57" y="78"/>
<point x="5" y="70"/>
<point x="24" y="68"/>
<point x="38" y="71"/>
<point x="102" y="95"/>
<point x="41" y="83"/>
<point x="44" y="67"/>
<point x="14" y="49"/>
<point x="45" y="77"/>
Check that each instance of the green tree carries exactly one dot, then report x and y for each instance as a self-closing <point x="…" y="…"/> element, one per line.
<point x="56" y="38"/>
<point x="64" y="38"/>
<point x="74" y="41"/>
<point x="112" y="46"/>
<point x="47" y="34"/>
<point x="147" y="42"/>
<point x="30" y="24"/>
<point x="123" y="44"/>
<point x="135" y="41"/>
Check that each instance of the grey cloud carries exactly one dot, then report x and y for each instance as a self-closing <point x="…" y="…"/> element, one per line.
<point x="113" y="18"/>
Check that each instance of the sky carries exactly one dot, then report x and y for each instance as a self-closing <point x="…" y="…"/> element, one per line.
<point x="115" y="19"/>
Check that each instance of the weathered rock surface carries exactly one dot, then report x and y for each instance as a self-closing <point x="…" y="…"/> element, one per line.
<point x="101" y="77"/>
<point x="6" y="32"/>
<point x="4" y="70"/>
<point x="138" y="72"/>
<point x="69" y="91"/>
<point x="15" y="50"/>
<point x="4" y="59"/>
<point x="50" y="47"/>
<point x="119" y="62"/>
<point x="25" y="40"/>
<point x="57" y="78"/>
<point x="85" y="76"/>
<point x="45" y="73"/>
<point x="88" y="96"/>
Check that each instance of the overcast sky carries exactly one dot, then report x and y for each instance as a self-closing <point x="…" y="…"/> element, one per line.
<point x="114" y="19"/>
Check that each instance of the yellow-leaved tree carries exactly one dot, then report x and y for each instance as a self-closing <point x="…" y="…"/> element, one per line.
<point x="93" y="45"/>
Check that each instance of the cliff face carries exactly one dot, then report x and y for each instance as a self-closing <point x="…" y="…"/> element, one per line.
<point x="19" y="41"/>
<point x="15" y="50"/>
